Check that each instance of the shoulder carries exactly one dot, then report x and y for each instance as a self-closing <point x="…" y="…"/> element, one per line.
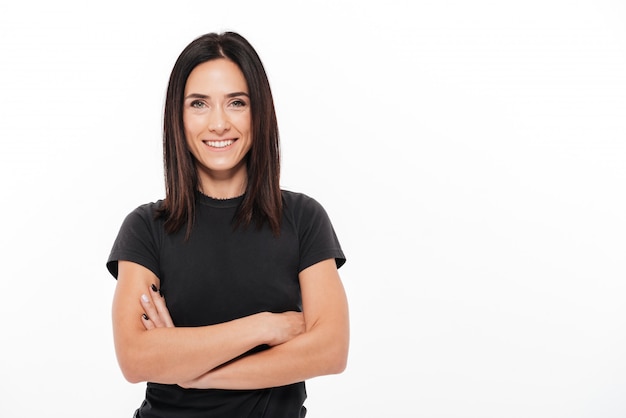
<point x="302" y="209"/>
<point x="295" y="201"/>
<point x="316" y="235"/>
<point x="147" y="210"/>
<point x="139" y="238"/>
<point x="144" y="216"/>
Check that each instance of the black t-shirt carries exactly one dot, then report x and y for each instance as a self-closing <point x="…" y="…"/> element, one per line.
<point x="221" y="274"/>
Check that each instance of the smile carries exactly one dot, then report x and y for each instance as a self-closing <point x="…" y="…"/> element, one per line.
<point x="219" y="144"/>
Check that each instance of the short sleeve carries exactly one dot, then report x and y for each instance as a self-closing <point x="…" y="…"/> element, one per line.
<point x="137" y="241"/>
<point x="317" y="238"/>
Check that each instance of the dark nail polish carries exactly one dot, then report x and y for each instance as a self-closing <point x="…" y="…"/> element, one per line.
<point x="145" y="317"/>
<point x="154" y="288"/>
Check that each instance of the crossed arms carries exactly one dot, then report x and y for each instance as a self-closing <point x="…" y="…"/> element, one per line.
<point x="302" y="345"/>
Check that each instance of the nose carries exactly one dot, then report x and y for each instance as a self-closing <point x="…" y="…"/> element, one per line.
<point x="218" y="121"/>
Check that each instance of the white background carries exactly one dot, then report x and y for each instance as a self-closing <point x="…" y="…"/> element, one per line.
<point x="471" y="155"/>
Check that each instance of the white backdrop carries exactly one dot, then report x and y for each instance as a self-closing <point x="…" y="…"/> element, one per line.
<point x="471" y="155"/>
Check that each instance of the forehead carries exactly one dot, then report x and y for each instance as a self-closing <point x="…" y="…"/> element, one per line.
<point x="217" y="75"/>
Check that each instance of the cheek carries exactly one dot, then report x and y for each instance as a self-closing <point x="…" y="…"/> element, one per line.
<point x="244" y="125"/>
<point x="192" y="124"/>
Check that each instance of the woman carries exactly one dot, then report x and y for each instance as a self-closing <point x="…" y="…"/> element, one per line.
<point x="228" y="296"/>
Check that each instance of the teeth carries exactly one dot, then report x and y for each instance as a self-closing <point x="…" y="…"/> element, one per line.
<point x="219" y="144"/>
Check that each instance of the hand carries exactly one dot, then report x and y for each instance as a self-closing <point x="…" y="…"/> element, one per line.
<point x="155" y="314"/>
<point x="285" y="326"/>
<point x="201" y="382"/>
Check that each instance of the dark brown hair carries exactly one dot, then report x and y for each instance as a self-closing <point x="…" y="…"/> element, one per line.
<point x="262" y="201"/>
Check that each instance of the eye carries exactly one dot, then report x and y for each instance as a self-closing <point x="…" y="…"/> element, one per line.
<point x="238" y="103"/>
<point x="197" y="104"/>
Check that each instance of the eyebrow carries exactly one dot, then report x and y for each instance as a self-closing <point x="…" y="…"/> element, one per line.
<point x="205" y="96"/>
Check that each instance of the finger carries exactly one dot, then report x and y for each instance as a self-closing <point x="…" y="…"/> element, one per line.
<point x="145" y="320"/>
<point x="161" y="307"/>
<point x="151" y="310"/>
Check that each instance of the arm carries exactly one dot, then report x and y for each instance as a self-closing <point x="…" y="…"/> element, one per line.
<point x="322" y="349"/>
<point x="155" y="354"/>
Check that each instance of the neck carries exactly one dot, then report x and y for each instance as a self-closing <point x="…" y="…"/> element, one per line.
<point x="223" y="184"/>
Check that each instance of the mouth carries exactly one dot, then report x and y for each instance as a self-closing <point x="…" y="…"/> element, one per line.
<point x="219" y="144"/>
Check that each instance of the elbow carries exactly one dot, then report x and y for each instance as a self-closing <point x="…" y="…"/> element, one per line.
<point x="139" y="365"/>
<point x="340" y="365"/>
<point x="338" y="359"/>
<point x="133" y="375"/>
<point x="336" y="353"/>
<point x="337" y="367"/>
<point x="131" y="366"/>
<point x="130" y="372"/>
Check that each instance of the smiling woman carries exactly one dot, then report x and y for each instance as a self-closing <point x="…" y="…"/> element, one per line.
<point x="217" y="123"/>
<point x="228" y="296"/>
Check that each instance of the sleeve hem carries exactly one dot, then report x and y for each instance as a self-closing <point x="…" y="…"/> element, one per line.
<point x="337" y="254"/>
<point x="112" y="264"/>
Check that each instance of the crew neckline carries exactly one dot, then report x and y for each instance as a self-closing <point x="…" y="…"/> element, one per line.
<point x="218" y="203"/>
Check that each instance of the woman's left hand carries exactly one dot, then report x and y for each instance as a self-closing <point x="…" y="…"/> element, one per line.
<point x="201" y="382"/>
<point x="155" y="314"/>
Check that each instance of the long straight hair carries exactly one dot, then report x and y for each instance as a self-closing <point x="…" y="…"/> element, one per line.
<point x="262" y="201"/>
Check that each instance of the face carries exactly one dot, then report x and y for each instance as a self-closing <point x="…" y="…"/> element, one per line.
<point x="218" y="123"/>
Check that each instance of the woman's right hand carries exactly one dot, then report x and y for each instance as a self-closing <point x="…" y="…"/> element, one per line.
<point x="151" y="348"/>
<point x="282" y="327"/>
<point x="156" y="314"/>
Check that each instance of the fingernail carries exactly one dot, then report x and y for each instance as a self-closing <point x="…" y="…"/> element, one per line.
<point x="144" y="316"/>
<point x="145" y="298"/>
<point x="153" y="287"/>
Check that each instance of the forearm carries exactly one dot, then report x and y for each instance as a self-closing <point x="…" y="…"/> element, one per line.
<point x="314" y="353"/>
<point x="321" y="350"/>
<point x="152" y="349"/>
<point x="172" y="355"/>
